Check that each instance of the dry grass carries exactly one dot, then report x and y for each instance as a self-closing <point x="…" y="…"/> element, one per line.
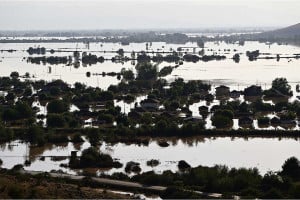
<point x="12" y="187"/>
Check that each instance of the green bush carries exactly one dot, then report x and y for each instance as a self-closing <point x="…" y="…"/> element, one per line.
<point x="56" y="120"/>
<point x="91" y="157"/>
<point x="291" y="168"/>
<point x="57" y="106"/>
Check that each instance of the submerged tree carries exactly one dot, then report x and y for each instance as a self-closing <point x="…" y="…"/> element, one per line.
<point x="281" y="85"/>
<point x="146" y="71"/>
<point x="291" y="168"/>
<point x="57" y="106"/>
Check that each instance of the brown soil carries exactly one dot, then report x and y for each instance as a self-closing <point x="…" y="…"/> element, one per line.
<point x="28" y="187"/>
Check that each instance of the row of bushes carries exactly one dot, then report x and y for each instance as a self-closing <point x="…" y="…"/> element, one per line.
<point x="247" y="183"/>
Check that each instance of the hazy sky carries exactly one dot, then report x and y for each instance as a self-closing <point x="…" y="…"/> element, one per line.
<point x="130" y="14"/>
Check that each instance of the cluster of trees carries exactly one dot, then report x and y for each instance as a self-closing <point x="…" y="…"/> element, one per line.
<point x="91" y="59"/>
<point x="165" y="71"/>
<point x="92" y="95"/>
<point x="286" y="111"/>
<point x="252" y="55"/>
<point x="280" y="88"/>
<point x="58" y="106"/>
<point x="52" y="60"/>
<point x="236" y="58"/>
<point x="38" y="50"/>
<point x="174" y="57"/>
<point x="142" y="37"/>
<point x="58" y="96"/>
<point x="65" y="120"/>
<point x="127" y="74"/>
<point x="222" y="119"/>
<point x="142" y="57"/>
<point x="205" y="58"/>
<point x="247" y="183"/>
<point x="91" y="157"/>
<point x="38" y="135"/>
<point x="146" y="71"/>
<point x="6" y="134"/>
<point x="21" y="110"/>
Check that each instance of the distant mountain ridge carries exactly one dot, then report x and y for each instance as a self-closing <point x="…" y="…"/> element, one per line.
<point x="288" y="32"/>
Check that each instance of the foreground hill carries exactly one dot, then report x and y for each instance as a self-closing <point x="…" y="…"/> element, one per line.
<point x="18" y="186"/>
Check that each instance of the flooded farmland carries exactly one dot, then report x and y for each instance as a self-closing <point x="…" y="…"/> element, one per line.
<point x="232" y="152"/>
<point x="236" y="152"/>
<point x="227" y="72"/>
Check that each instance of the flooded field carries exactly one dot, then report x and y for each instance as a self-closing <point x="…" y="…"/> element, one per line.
<point x="227" y="72"/>
<point x="233" y="152"/>
<point x="197" y="99"/>
<point x="236" y="152"/>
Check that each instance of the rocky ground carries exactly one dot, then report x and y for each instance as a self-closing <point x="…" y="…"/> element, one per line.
<point x="28" y="187"/>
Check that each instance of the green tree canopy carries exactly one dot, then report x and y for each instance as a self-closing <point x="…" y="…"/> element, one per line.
<point x="57" y="106"/>
<point x="291" y="168"/>
<point x="146" y="71"/>
<point x="281" y="85"/>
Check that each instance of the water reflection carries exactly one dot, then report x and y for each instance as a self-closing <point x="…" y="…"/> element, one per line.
<point x="206" y="151"/>
<point x="235" y="152"/>
<point x="236" y="75"/>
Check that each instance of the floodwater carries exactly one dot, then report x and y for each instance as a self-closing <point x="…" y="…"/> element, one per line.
<point x="263" y="153"/>
<point x="235" y="75"/>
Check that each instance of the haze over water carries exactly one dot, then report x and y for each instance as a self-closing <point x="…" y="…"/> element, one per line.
<point x="146" y="14"/>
